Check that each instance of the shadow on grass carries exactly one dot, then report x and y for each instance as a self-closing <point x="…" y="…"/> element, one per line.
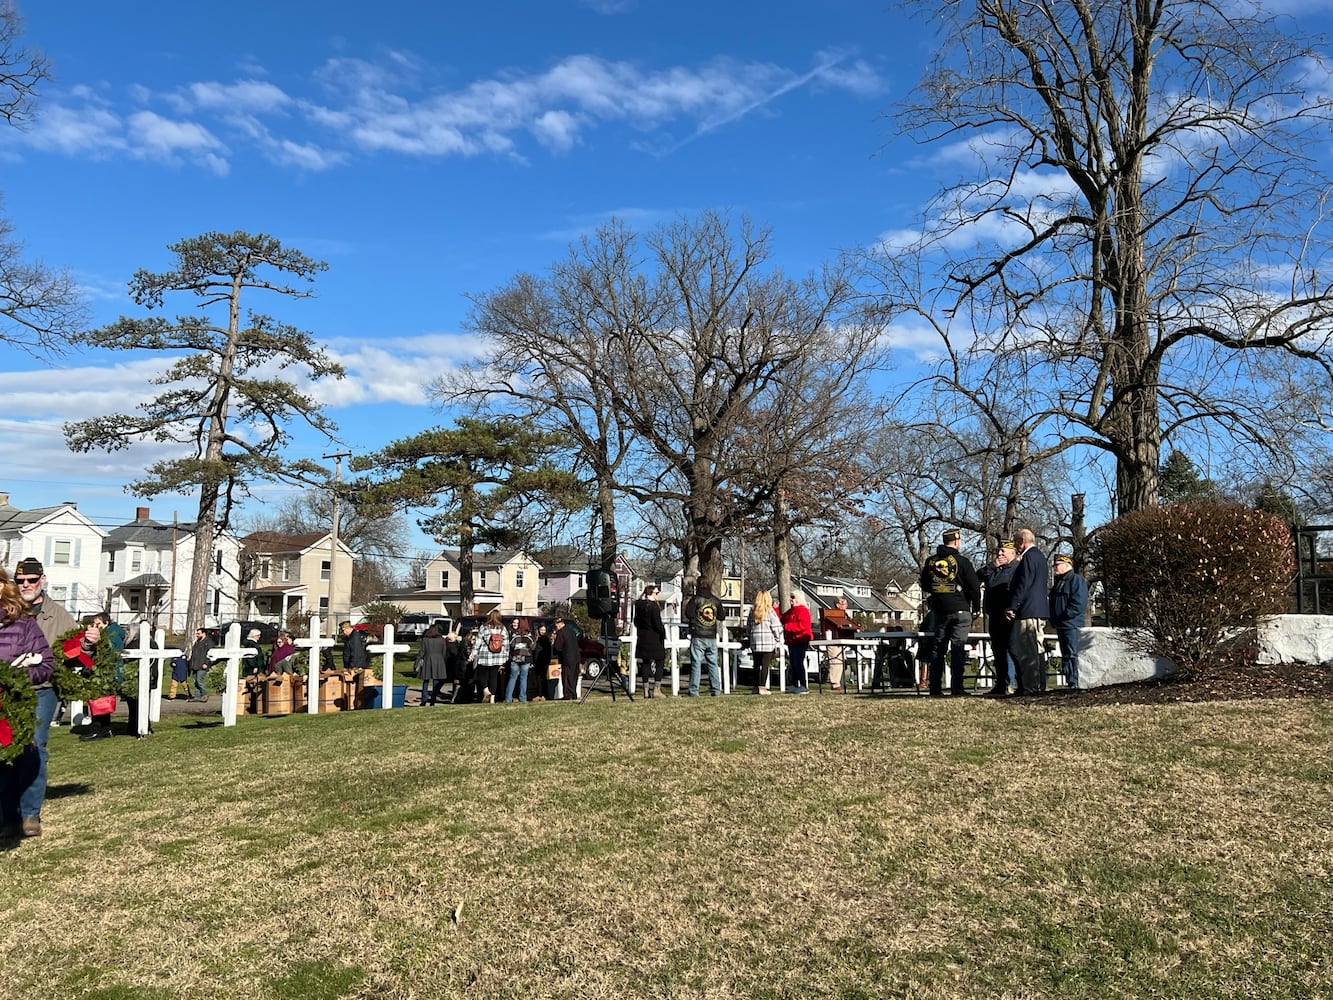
<point x="68" y="790"/>
<point x="201" y="724"/>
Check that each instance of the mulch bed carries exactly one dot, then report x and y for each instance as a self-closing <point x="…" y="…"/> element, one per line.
<point x="1278" y="680"/>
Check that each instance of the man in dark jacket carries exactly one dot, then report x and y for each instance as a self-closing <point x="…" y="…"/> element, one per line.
<point x="703" y="612"/>
<point x="355" y="654"/>
<point x="1028" y="610"/>
<point x="950" y="582"/>
<point x="565" y="650"/>
<point x="1069" y="604"/>
<point x="200" y="663"/>
<point x="995" y="578"/>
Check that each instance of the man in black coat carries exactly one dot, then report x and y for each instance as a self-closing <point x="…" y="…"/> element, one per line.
<point x="565" y="650"/>
<point x="994" y="601"/>
<point x="950" y="582"/>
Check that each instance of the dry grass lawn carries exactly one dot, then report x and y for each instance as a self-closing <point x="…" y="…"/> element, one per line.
<point x="737" y="847"/>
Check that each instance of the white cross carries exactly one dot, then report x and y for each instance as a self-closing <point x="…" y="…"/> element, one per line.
<point x="233" y="652"/>
<point x="388" y="647"/>
<point x="314" y="644"/>
<point x="145" y="654"/>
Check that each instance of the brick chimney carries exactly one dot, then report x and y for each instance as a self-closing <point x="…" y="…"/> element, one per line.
<point x="141" y="513"/>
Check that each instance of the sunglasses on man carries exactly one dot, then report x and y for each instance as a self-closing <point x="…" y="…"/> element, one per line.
<point x="27" y="579"/>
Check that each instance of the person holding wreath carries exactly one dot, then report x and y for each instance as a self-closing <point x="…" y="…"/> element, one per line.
<point x="24" y="648"/>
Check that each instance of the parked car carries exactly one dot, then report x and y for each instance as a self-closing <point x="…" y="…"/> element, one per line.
<point x="413" y="626"/>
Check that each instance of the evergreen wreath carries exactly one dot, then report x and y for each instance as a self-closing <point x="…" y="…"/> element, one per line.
<point x="74" y="681"/>
<point x="18" y="711"/>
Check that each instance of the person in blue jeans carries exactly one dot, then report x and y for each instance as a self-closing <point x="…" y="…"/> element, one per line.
<point x="23" y="782"/>
<point x="1068" y="605"/>
<point x="703" y="612"/>
<point x="520" y="660"/>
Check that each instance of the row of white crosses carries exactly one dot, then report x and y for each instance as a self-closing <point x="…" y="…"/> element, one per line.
<point x="233" y="652"/>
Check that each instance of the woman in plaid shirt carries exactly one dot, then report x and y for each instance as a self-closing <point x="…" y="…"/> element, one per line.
<point x="490" y="651"/>
<point x="766" y="638"/>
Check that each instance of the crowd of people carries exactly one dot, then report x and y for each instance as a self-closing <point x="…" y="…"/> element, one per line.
<point x="527" y="660"/>
<point x="523" y="661"/>
<point x="1018" y="597"/>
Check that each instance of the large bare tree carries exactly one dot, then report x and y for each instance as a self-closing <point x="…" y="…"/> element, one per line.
<point x="1141" y="253"/>
<point x="548" y="358"/>
<point x="40" y="305"/>
<point x="727" y="331"/>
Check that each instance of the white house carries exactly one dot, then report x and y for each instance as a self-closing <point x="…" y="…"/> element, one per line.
<point x="68" y="545"/>
<point x="146" y="567"/>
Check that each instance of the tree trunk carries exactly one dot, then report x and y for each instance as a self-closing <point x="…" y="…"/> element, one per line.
<point x="205" y="524"/>
<point x="606" y="504"/>
<point x="782" y="550"/>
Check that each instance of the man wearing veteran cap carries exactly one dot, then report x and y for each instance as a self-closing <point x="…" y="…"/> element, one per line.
<point x="996" y="579"/>
<point x="1069" y="603"/>
<point x="53" y="620"/>
<point x="951" y="584"/>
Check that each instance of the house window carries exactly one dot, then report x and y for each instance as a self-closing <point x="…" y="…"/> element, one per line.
<point x="325" y="569"/>
<point x="263" y="569"/>
<point x="60" y="553"/>
<point x="286" y="570"/>
<point x="518" y="607"/>
<point x="518" y="579"/>
<point x="323" y="605"/>
<point x="111" y="561"/>
<point x="581" y="583"/>
<point x="481" y="579"/>
<point x="134" y="601"/>
<point x="136" y="561"/>
<point x="444" y="579"/>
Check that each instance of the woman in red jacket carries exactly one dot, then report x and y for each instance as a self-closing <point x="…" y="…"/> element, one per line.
<point x="797" y="632"/>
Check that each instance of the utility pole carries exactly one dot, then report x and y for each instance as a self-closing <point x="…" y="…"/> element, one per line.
<point x="333" y="535"/>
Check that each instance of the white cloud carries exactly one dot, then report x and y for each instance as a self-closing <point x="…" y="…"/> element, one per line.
<point x="609" y="7"/>
<point x="254" y="96"/>
<point x="156" y="138"/>
<point x="83" y="130"/>
<point x="557" y="130"/>
<point x="378" y="106"/>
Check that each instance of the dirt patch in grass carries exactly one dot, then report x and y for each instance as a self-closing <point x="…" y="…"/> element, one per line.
<point x="1242" y="682"/>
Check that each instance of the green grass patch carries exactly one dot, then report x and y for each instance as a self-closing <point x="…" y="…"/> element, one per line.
<point x="732" y="847"/>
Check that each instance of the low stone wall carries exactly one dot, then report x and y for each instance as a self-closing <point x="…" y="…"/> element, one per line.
<point x="1103" y="659"/>
<point x="1297" y="639"/>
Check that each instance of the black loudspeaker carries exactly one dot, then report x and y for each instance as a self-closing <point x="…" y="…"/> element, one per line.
<point x="603" y="599"/>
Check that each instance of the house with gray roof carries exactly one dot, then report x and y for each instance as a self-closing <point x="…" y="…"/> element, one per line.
<point x="146" y="567"/>
<point x="66" y="542"/>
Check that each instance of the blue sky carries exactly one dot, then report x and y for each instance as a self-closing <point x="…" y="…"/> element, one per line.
<point x="425" y="151"/>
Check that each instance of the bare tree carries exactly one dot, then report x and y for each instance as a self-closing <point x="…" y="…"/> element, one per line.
<point x="1146" y="231"/>
<point x="41" y="305"/>
<point x="549" y="358"/>
<point x="722" y="334"/>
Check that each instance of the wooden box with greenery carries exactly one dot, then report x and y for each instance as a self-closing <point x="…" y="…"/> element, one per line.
<point x="1187" y="579"/>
